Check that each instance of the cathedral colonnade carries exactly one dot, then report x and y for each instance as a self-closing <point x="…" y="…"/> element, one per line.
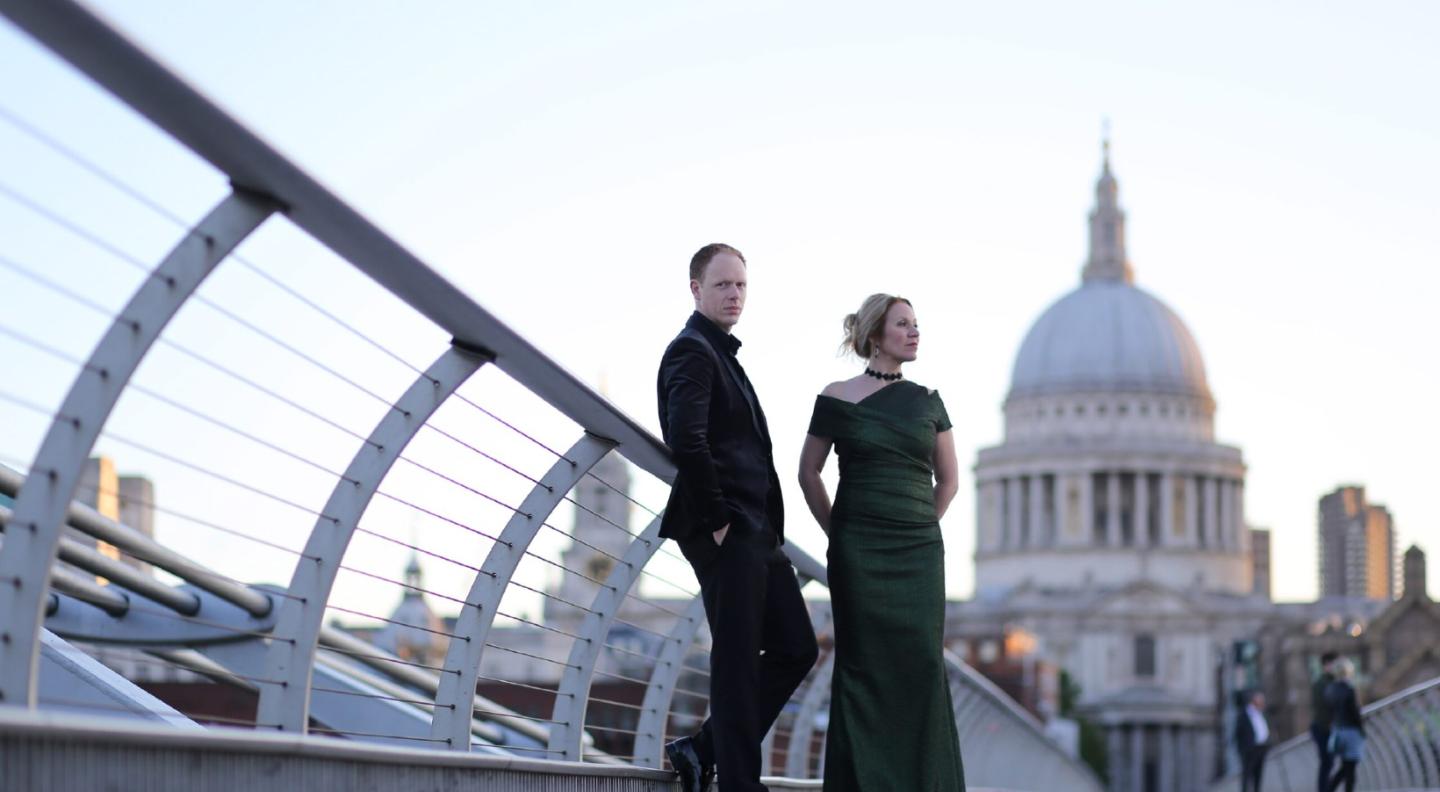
<point x="1109" y="506"/>
<point x="1159" y="757"/>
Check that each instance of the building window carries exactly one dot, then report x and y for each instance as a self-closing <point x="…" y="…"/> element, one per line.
<point x="1145" y="656"/>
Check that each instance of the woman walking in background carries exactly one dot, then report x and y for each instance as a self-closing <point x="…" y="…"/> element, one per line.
<point x="892" y="724"/>
<point x="1347" y="732"/>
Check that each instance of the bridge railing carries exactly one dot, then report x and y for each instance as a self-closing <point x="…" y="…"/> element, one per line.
<point x="318" y="409"/>
<point x="1402" y="748"/>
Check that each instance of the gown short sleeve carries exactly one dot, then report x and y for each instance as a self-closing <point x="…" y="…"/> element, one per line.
<point x="941" y="418"/>
<point x="826" y="420"/>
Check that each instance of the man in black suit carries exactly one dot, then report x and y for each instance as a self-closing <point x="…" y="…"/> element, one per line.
<point x="726" y="513"/>
<point x="1252" y="737"/>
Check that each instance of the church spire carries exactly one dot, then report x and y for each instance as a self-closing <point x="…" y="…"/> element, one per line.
<point x="1107" y="260"/>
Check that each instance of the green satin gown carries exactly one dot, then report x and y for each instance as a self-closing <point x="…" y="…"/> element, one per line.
<point x="892" y="725"/>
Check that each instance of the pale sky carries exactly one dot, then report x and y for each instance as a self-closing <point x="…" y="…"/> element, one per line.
<point x="560" y="162"/>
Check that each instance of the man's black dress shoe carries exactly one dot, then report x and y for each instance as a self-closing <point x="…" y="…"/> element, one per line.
<point x="694" y="776"/>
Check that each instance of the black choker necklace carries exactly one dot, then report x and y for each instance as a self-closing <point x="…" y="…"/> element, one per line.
<point x="869" y="372"/>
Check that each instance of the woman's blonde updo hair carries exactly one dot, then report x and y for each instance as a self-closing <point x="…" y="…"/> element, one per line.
<point x="864" y="326"/>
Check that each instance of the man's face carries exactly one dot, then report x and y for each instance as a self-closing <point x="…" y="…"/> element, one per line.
<point x="720" y="295"/>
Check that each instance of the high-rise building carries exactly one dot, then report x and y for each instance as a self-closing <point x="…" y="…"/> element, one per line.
<point x="137" y="510"/>
<point x="1260" y="561"/>
<point x="1357" y="546"/>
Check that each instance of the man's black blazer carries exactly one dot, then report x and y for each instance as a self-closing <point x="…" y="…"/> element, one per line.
<point x="721" y="447"/>
<point x="1245" y="733"/>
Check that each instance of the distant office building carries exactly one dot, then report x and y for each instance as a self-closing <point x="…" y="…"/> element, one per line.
<point x="1357" y="546"/>
<point x="137" y="510"/>
<point x="1260" y="561"/>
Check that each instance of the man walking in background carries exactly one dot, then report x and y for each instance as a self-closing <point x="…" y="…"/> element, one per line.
<point x="1321" y="718"/>
<point x="1252" y="735"/>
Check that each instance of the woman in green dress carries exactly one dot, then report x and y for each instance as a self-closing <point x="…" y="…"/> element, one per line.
<point x="892" y="725"/>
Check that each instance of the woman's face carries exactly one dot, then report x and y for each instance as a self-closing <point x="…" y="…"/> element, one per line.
<point x="900" y="335"/>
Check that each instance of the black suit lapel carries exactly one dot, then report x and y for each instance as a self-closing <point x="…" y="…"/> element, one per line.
<point x="740" y="385"/>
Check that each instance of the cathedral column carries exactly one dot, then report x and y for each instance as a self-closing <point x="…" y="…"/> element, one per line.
<point x="1087" y="508"/>
<point x="1061" y="533"/>
<point x="1207" y="511"/>
<point x="1167" y="509"/>
<point x="1229" y="537"/>
<point x="1240" y="526"/>
<point x="1137" y="758"/>
<point x="1112" y="508"/>
<point x="1117" y="751"/>
<point x="1012" y="513"/>
<point x="1192" y="511"/>
<point x="1142" y="509"/>
<point x="992" y="501"/>
<point x="1167" y="758"/>
<point x="1038" y="536"/>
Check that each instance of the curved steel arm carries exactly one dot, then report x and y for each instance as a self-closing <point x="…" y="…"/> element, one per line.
<point x="797" y="758"/>
<point x="571" y="699"/>
<point x="297" y="629"/>
<point x="43" y="502"/>
<point x="655" y="709"/>
<point x="477" y="615"/>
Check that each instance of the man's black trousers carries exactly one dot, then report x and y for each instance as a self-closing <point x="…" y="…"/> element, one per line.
<point x="762" y="646"/>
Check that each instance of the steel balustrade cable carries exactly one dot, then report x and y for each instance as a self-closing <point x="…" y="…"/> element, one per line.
<point x="153" y="662"/>
<point x="75" y="157"/>
<point x="29" y="405"/>
<point x="511" y="682"/>
<point x="535" y="718"/>
<point x="76" y="229"/>
<point x="352" y="733"/>
<point x="100" y="242"/>
<point x="623" y="678"/>
<point x="530" y="655"/>
<point x="485" y="455"/>
<point x="385" y="659"/>
<point x="631" y="534"/>
<point x="463" y="399"/>
<point x="155" y="206"/>
<point x="131" y="711"/>
<point x="380" y="697"/>
<point x="105" y="313"/>
<point x="213" y="526"/>
<point x="406" y="625"/>
<point x="429" y="553"/>
<point x="217" y="476"/>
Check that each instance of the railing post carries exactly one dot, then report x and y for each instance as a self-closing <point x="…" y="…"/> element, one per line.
<point x="482" y="603"/>
<point x="297" y="629"/>
<point x="572" y="697"/>
<point x="44" y="501"/>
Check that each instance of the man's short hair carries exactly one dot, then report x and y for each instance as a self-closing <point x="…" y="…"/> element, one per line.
<point x="705" y="255"/>
<point x="1329" y="657"/>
